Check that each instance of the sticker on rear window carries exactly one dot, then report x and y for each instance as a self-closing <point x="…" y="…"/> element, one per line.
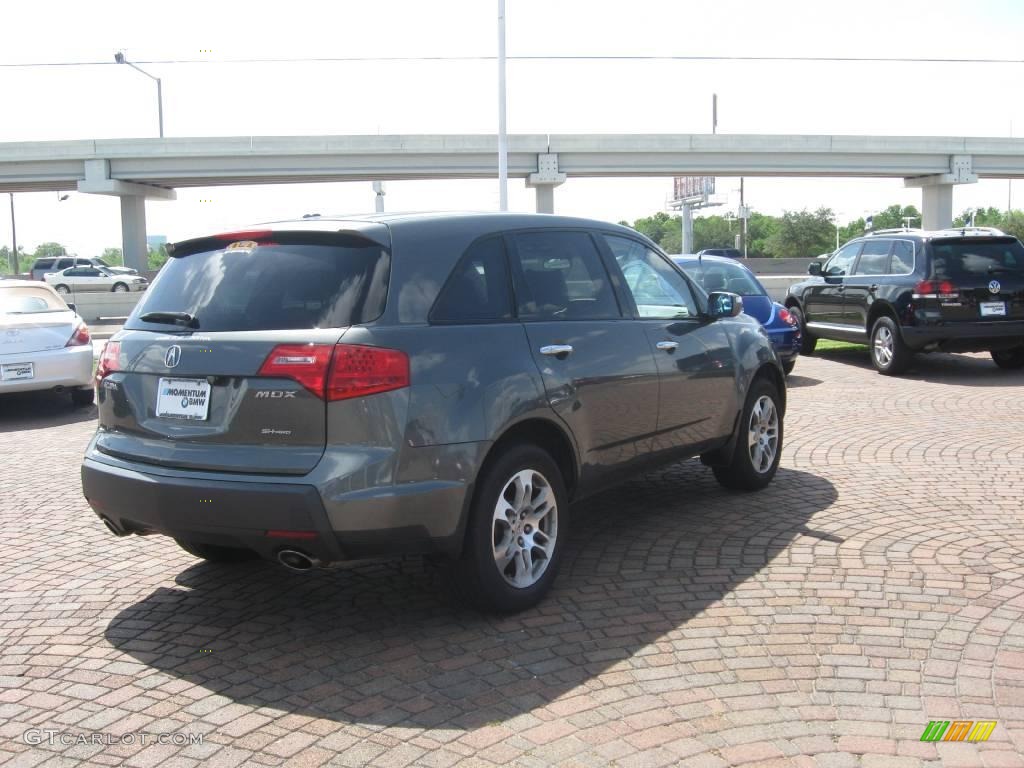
<point x="242" y="245"/>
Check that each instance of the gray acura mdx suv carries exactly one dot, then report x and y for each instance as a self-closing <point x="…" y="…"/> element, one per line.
<point x="335" y="388"/>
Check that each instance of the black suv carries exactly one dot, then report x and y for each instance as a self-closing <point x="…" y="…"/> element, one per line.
<point x="328" y="389"/>
<point x="907" y="291"/>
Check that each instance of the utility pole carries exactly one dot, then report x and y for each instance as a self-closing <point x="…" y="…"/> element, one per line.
<point x="743" y="222"/>
<point x="14" y="241"/>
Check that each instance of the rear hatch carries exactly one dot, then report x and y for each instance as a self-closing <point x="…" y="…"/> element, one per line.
<point x="975" y="279"/>
<point x="223" y="365"/>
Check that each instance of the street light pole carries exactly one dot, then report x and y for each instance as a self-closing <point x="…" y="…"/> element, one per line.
<point x="502" y="126"/>
<point x="120" y="59"/>
<point x="14" y="241"/>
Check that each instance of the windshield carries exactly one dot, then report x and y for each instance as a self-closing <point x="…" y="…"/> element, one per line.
<point x="953" y="259"/>
<point x="25" y="300"/>
<point x="274" y="286"/>
<point x="722" y="276"/>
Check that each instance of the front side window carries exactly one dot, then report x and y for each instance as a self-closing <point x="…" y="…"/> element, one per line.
<point x="841" y="262"/>
<point x="658" y="291"/>
<point x="560" y="276"/>
<point x="478" y="289"/>
<point x="874" y="259"/>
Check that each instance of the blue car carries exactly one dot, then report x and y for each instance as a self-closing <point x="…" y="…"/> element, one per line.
<point x="717" y="273"/>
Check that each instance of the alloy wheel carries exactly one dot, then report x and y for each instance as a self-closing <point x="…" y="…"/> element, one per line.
<point x="763" y="434"/>
<point x="524" y="528"/>
<point x="883" y="346"/>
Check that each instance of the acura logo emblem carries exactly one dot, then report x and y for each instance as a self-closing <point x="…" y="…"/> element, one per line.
<point x="173" y="356"/>
<point x="994" y="287"/>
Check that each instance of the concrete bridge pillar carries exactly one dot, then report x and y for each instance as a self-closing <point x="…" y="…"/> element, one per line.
<point x="544" y="181"/>
<point x="133" y="208"/>
<point x="937" y="191"/>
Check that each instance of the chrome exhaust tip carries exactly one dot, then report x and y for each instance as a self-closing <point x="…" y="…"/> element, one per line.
<point x="295" y="560"/>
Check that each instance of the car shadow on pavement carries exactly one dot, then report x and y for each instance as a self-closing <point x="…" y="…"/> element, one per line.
<point x="793" y="381"/>
<point x="21" y="411"/>
<point x="382" y="643"/>
<point x="972" y="370"/>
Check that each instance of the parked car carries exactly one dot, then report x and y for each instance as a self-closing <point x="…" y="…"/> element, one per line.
<point x="327" y="389"/>
<point x="716" y="273"/>
<point x="50" y="264"/>
<point x="43" y="343"/>
<point x="906" y="291"/>
<point x="731" y="253"/>
<point x="79" y="279"/>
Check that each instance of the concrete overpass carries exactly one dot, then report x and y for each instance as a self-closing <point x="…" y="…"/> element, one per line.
<point x="139" y="169"/>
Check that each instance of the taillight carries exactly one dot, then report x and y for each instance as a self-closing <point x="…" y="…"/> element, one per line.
<point x="339" y="372"/>
<point x="786" y="317"/>
<point x="358" y="370"/>
<point x="932" y="289"/>
<point x="304" y="363"/>
<point x="110" y="360"/>
<point x="79" y="337"/>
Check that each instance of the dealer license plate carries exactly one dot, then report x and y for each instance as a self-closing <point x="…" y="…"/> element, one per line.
<point x="993" y="308"/>
<point x="16" y="371"/>
<point x="183" y="399"/>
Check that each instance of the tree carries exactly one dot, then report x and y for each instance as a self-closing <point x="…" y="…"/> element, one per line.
<point x="713" y="232"/>
<point x="759" y="229"/>
<point x="801" y="234"/>
<point x="665" y="230"/>
<point x="24" y="260"/>
<point x="113" y="256"/>
<point x="893" y="217"/>
<point x="156" y="257"/>
<point x="46" y="250"/>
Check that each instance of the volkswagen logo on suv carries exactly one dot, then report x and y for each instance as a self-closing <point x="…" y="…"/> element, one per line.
<point x="173" y="356"/>
<point x="994" y="287"/>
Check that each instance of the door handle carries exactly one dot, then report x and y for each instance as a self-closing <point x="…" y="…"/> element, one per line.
<point x="668" y="346"/>
<point x="557" y="350"/>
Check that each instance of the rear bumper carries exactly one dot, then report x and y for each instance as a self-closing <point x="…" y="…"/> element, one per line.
<point x="65" y="367"/>
<point x="965" y="337"/>
<point x="225" y="513"/>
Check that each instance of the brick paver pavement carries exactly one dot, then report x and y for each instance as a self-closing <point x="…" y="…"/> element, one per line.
<point x="878" y="584"/>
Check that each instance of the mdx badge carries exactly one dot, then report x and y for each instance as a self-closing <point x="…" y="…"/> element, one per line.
<point x="275" y="394"/>
<point x="173" y="356"/>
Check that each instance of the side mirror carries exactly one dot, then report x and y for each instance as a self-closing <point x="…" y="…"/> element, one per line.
<point x="724" y="304"/>
<point x="814" y="268"/>
<point x="73" y="308"/>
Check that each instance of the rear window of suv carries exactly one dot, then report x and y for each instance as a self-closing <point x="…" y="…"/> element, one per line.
<point x="976" y="258"/>
<point x="296" y="282"/>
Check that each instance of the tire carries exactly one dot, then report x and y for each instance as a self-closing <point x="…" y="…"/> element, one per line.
<point x="82" y="397"/>
<point x="807" y="341"/>
<point x="788" y="366"/>
<point x="1008" y="359"/>
<point x="761" y="423"/>
<point x="479" y="577"/>
<point x="63" y="290"/>
<point x="119" y="288"/>
<point x="889" y="355"/>
<point x="216" y="554"/>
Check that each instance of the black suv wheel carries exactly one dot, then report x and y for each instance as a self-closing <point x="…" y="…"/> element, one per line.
<point x="807" y="341"/>
<point x="517" y="530"/>
<point x="1008" y="359"/>
<point x="889" y="354"/>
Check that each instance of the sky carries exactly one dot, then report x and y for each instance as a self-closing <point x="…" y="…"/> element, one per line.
<point x="217" y="90"/>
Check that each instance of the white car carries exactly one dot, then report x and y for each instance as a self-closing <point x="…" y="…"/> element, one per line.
<point x="43" y="343"/>
<point x="79" y="278"/>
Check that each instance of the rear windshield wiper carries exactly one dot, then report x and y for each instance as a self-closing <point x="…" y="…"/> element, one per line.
<point x="171" y="318"/>
<point x="998" y="268"/>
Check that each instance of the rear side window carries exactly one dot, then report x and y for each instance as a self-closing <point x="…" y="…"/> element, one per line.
<point x="902" y="258"/>
<point x="65" y="263"/>
<point x="874" y="259"/>
<point x="43" y="264"/>
<point x="560" y="276"/>
<point x="955" y="259"/>
<point x="478" y="289"/>
<point x="296" y="282"/>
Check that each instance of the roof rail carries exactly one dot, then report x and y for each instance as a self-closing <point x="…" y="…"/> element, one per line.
<point x="973" y="230"/>
<point x="891" y="231"/>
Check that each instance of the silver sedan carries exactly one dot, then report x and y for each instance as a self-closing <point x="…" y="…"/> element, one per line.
<point x="78" y="279"/>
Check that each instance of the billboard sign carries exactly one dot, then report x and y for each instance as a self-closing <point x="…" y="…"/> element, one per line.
<point x="688" y="187"/>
